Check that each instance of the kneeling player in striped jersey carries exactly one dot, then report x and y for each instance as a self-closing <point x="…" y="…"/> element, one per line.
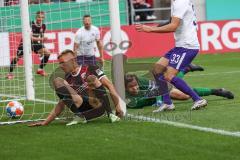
<point x="82" y="91"/>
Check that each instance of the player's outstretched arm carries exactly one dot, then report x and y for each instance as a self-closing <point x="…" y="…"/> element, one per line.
<point x="54" y="113"/>
<point x="171" y="27"/>
<point x="114" y="95"/>
<point x="75" y="47"/>
<point x="100" y="49"/>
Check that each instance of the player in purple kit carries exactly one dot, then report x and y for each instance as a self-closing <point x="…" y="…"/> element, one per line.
<point x="183" y="24"/>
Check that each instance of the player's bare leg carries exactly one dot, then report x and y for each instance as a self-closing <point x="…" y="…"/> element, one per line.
<point x="97" y="90"/>
<point x="13" y="64"/>
<point x="93" y="83"/>
<point x="70" y="98"/>
<point x="178" y="95"/>
<point x="45" y="57"/>
<point x="65" y="92"/>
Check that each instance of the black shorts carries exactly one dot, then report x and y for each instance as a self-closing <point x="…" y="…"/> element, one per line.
<point x="84" y="107"/>
<point x="35" y="47"/>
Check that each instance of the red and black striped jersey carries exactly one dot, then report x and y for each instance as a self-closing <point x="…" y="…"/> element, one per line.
<point x="38" y="30"/>
<point x="79" y="81"/>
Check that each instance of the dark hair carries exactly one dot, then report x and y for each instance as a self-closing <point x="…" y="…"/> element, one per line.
<point x="66" y="51"/>
<point x="129" y="78"/>
<point x="40" y="12"/>
<point x="86" y="16"/>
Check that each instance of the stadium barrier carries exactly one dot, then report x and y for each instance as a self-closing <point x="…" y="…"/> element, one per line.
<point x="214" y="37"/>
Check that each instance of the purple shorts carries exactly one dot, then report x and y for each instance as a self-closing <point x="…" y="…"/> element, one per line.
<point x="179" y="57"/>
<point x="86" y="60"/>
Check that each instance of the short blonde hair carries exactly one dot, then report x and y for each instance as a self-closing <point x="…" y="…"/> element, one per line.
<point x="66" y="51"/>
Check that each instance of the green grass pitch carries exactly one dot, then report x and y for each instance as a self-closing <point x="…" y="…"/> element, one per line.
<point x="132" y="139"/>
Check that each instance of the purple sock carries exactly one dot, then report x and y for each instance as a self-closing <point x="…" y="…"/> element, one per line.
<point x="163" y="88"/>
<point x="182" y="86"/>
<point x="166" y="99"/>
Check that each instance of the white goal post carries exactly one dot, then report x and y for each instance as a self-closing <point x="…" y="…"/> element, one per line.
<point x="118" y="72"/>
<point x="62" y="21"/>
<point x="26" y="34"/>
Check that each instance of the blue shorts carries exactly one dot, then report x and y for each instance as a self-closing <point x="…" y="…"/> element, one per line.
<point x="86" y="60"/>
<point x="179" y="57"/>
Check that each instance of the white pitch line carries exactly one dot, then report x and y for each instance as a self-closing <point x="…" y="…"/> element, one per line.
<point x="24" y="98"/>
<point x="46" y="101"/>
<point x="171" y="123"/>
<point x="17" y="98"/>
<point x="212" y="74"/>
<point x="20" y="121"/>
<point x="184" y="125"/>
<point x="203" y="74"/>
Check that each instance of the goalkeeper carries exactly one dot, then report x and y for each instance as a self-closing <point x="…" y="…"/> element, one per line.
<point x="142" y="92"/>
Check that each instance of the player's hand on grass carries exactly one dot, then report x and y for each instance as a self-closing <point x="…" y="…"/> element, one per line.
<point x="36" y="124"/>
<point x="143" y="28"/>
<point x="119" y="112"/>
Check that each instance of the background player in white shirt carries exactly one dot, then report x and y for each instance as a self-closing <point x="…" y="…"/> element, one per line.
<point x="183" y="24"/>
<point x="86" y="40"/>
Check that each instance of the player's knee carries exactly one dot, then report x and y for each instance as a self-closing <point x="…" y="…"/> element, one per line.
<point x="47" y="54"/>
<point x="58" y="82"/>
<point x="179" y="95"/>
<point x="93" y="81"/>
<point x="168" y="76"/>
<point x="95" y="102"/>
<point x="18" y="57"/>
<point x="158" y="69"/>
<point x="77" y="100"/>
<point x="44" y="52"/>
<point x="186" y="97"/>
<point x="183" y="97"/>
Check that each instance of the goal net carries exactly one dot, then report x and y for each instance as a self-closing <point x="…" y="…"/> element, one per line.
<point x="62" y="19"/>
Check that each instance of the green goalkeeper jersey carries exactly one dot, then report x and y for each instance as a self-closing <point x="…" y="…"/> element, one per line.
<point x="139" y="100"/>
<point x="146" y="85"/>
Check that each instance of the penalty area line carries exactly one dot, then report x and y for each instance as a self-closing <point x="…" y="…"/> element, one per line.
<point x="212" y="74"/>
<point x="188" y="126"/>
